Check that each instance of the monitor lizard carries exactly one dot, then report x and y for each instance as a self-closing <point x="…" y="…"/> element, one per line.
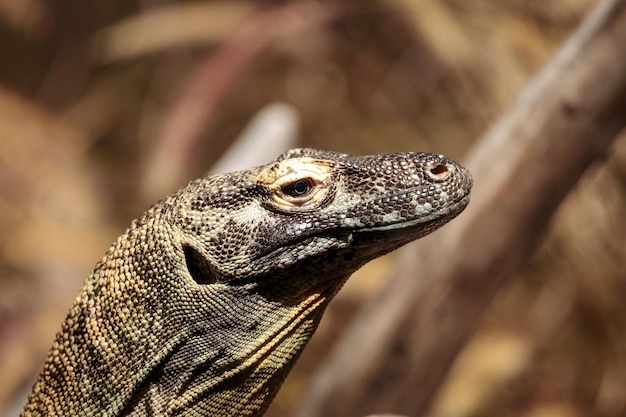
<point x="204" y="304"/>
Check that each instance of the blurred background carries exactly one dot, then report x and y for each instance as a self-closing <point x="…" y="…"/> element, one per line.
<point x="107" y="106"/>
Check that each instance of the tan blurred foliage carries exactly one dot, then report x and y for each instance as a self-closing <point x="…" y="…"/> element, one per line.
<point x="106" y="106"/>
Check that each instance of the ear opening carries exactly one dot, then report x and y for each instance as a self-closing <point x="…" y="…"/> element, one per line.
<point x="198" y="266"/>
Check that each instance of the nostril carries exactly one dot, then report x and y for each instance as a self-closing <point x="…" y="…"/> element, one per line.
<point x="439" y="171"/>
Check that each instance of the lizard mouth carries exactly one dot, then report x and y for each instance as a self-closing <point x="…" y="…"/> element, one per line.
<point x="452" y="211"/>
<point x="307" y="246"/>
<point x="318" y="243"/>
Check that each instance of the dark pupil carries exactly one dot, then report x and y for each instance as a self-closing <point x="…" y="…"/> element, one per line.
<point x="297" y="188"/>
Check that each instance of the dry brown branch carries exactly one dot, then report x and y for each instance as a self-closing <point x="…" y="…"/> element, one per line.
<point x="400" y="348"/>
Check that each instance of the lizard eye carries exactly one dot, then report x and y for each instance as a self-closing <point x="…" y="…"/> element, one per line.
<point x="297" y="184"/>
<point x="298" y="188"/>
<point x="300" y="192"/>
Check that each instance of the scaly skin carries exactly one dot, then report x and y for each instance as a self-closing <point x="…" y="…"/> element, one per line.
<point x="204" y="304"/>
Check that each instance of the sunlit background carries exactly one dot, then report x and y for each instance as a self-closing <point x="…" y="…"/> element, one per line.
<point x="107" y="106"/>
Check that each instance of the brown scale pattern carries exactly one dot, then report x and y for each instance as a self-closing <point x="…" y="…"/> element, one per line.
<point x="204" y="304"/>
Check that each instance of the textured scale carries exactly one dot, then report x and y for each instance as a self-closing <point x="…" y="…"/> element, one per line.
<point x="203" y="305"/>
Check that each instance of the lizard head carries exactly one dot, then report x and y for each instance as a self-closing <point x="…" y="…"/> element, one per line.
<point x="320" y="210"/>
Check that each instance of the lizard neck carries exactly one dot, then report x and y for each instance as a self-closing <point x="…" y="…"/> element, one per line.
<point x="150" y="347"/>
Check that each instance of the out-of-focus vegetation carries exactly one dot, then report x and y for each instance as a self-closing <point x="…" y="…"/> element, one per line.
<point x="106" y="106"/>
